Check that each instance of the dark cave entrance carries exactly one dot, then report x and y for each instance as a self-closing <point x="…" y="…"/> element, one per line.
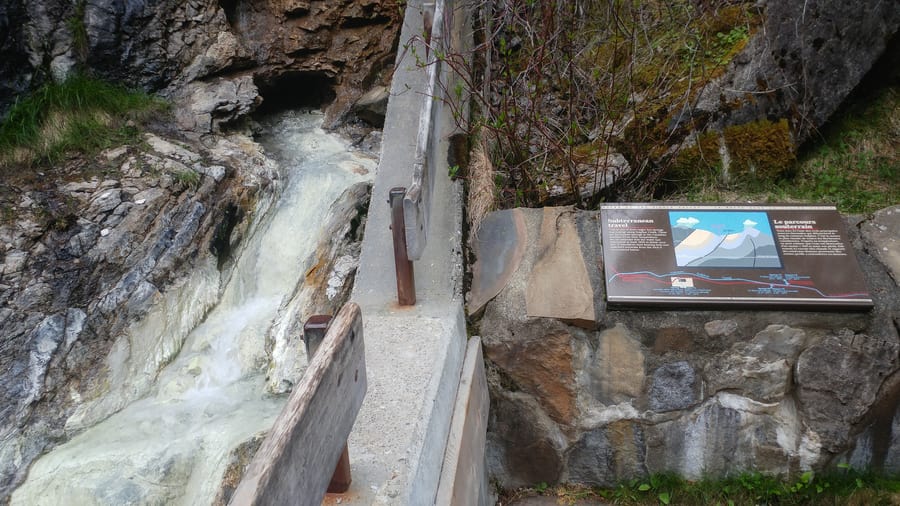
<point x="295" y="90"/>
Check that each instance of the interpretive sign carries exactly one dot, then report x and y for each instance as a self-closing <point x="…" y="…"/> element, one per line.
<point x="729" y="255"/>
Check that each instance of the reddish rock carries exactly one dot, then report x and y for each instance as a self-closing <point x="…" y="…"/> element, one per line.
<point x="543" y="368"/>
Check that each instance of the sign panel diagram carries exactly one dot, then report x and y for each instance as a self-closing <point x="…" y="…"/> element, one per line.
<point x="695" y="255"/>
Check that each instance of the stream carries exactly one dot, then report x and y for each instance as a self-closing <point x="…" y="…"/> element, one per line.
<point x="174" y="445"/>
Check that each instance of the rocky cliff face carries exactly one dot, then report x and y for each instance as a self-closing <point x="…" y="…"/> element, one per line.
<point x="294" y="51"/>
<point x="91" y="250"/>
<point x="88" y="257"/>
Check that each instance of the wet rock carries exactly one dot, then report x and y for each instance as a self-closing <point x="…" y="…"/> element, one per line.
<point x="372" y="106"/>
<point x="68" y="290"/>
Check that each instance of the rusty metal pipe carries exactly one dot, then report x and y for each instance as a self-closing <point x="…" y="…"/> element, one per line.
<point x="313" y="334"/>
<point x="406" y="282"/>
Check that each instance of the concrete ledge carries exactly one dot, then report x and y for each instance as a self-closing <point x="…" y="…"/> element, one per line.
<point x="414" y="354"/>
<point x="464" y="476"/>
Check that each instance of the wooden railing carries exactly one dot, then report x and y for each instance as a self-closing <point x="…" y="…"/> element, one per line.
<point x="298" y="458"/>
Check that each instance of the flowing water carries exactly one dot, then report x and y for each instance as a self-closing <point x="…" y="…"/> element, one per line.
<point x="173" y="446"/>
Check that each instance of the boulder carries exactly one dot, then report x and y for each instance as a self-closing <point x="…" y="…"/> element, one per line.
<point x="204" y="107"/>
<point x="801" y="64"/>
<point x="372" y="106"/>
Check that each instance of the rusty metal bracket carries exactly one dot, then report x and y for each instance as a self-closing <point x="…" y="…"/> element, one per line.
<point x="406" y="283"/>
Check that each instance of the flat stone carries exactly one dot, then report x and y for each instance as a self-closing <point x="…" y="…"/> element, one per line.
<point x="882" y="232"/>
<point x="106" y="201"/>
<point x="499" y="248"/>
<point x="720" y="328"/>
<point x="559" y="285"/>
<point x="617" y="373"/>
<point x="672" y="387"/>
<point x="542" y="367"/>
<point x="170" y="149"/>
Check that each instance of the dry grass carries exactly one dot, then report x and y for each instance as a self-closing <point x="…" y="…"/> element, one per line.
<point x="482" y="189"/>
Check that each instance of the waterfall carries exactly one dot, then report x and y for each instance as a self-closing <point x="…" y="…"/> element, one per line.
<point x="173" y="445"/>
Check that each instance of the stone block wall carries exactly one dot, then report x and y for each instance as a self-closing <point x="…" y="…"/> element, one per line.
<point x="584" y="394"/>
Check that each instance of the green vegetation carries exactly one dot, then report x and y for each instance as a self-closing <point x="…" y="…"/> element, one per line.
<point x="571" y="82"/>
<point x="854" y="164"/>
<point x="758" y="152"/>
<point x="188" y="178"/>
<point x="845" y="487"/>
<point x="78" y="29"/>
<point x="80" y="115"/>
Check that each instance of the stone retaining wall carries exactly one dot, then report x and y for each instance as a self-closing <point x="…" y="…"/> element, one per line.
<point x="583" y="394"/>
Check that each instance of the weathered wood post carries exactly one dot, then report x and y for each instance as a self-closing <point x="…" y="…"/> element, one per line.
<point x="296" y="462"/>
<point x="406" y="283"/>
<point x="313" y="334"/>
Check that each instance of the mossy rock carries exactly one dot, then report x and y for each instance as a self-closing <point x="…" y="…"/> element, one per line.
<point x="761" y="151"/>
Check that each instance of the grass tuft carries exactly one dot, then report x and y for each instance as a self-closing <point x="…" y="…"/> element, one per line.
<point x="845" y="487"/>
<point x="81" y="114"/>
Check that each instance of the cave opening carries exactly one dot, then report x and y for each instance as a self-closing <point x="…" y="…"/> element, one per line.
<point x="295" y="90"/>
<point x="230" y="9"/>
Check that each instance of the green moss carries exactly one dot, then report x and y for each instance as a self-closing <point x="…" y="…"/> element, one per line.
<point x="698" y="161"/>
<point x="761" y="151"/>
